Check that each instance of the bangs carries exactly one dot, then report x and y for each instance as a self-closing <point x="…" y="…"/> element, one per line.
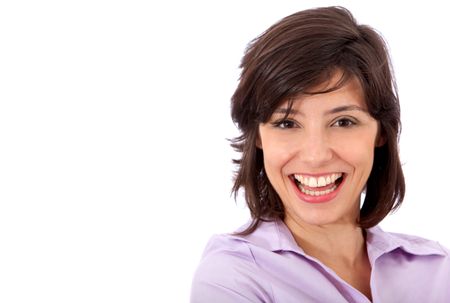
<point x="322" y="85"/>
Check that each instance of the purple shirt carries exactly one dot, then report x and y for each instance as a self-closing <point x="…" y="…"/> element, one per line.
<point x="269" y="266"/>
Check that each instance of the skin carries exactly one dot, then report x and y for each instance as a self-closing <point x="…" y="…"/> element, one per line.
<point x="314" y="141"/>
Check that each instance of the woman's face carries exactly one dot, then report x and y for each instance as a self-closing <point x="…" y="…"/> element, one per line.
<point x="319" y="158"/>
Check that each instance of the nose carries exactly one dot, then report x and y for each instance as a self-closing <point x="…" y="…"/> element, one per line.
<point x="315" y="148"/>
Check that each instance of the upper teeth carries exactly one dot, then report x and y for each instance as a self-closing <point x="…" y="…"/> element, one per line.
<point x="317" y="181"/>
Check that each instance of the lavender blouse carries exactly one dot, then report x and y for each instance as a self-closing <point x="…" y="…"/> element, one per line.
<point x="269" y="266"/>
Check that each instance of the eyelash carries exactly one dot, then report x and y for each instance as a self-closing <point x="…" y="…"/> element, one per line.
<point x="287" y="123"/>
<point x="349" y="122"/>
<point x="282" y="124"/>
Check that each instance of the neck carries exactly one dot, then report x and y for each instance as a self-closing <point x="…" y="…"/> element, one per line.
<point x="343" y="243"/>
<point x="341" y="247"/>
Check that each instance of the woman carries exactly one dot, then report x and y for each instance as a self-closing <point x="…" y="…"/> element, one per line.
<point x="319" y="115"/>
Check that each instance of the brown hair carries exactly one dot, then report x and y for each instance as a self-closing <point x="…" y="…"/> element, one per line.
<point x="295" y="54"/>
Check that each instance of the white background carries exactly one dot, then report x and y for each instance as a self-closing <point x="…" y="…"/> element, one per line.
<point x="114" y="164"/>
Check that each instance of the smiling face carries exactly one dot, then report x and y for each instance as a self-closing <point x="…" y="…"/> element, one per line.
<point x="319" y="158"/>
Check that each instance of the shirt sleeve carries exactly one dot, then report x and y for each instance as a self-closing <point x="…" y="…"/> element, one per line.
<point x="207" y="292"/>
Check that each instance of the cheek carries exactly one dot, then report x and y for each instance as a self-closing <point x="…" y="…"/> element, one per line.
<point x="364" y="161"/>
<point x="358" y="148"/>
<point x="275" y="158"/>
<point x="276" y="152"/>
<point x="360" y="155"/>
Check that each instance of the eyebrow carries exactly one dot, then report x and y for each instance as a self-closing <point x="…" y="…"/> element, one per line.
<point x="335" y="110"/>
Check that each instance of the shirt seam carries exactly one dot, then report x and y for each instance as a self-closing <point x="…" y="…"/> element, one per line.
<point x="443" y="249"/>
<point x="254" y="261"/>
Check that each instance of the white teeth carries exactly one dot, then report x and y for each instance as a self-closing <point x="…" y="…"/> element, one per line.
<point x="334" y="177"/>
<point x="312" y="182"/>
<point x="318" y="193"/>
<point x="317" y="182"/>
<point x="321" y="181"/>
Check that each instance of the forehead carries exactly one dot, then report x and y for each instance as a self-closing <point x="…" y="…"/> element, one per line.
<point x="337" y="90"/>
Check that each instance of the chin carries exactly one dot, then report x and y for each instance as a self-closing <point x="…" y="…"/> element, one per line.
<point x="319" y="217"/>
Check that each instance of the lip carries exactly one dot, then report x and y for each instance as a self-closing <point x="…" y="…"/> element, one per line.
<point x="318" y="175"/>
<point x="318" y="199"/>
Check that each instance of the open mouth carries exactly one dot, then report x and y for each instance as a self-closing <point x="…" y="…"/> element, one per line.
<point x="316" y="186"/>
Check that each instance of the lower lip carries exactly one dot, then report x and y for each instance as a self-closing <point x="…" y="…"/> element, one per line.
<point x="317" y="199"/>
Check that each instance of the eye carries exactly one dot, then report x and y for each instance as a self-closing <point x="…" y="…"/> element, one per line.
<point x="285" y="124"/>
<point x="344" y="122"/>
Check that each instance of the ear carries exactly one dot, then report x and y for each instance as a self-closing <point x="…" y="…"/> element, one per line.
<point x="258" y="142"/>
<point x="380" y="141"/>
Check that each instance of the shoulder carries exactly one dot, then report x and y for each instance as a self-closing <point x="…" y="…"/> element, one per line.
<point x="227" y="253"/>
<point x="418" y="269"/>
<point x="225" y="244"/>
<point x="227" y="272"/>
<point x="411" y="244"/>
<point x="419" y="242"/>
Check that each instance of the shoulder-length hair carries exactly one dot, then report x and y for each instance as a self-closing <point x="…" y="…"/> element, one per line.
<point x="298" y="53"/>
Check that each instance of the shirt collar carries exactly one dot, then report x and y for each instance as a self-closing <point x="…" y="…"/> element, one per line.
<point x="275" y="236"/>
